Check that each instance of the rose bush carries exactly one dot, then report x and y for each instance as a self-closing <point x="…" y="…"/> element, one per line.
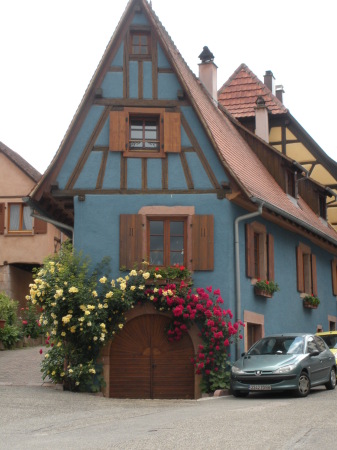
<point x="83" y="311"/>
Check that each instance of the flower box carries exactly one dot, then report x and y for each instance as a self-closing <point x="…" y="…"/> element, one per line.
<point x="309" y="305"/>
<point x="262" y="292"/>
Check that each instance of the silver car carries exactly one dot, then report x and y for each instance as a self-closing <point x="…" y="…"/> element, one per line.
<point x="284" y="362"/>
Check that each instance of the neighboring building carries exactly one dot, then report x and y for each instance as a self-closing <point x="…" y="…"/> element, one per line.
<point x="24" y="241"/>
<point x="152" y="168"/>
<point x="259" y="107"/>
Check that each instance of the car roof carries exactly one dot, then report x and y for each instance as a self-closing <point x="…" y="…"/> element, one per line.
<point x="288" y="335"/>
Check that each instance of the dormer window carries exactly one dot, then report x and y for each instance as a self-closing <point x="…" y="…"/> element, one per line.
<point x="291" y="183"/>
<point x="322" y="206"/>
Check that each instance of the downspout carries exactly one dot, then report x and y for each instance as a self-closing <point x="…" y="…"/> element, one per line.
<point x="237" y="265"/>
<point x="56" y="223"/>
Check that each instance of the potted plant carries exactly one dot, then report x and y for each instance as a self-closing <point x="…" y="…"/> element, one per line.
<point x="311" y="301"/>
<point x="265" y="288"/>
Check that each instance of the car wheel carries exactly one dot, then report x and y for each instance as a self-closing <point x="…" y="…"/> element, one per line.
<point x="331" y="384"/>
<point x="303" y="386"/>
<point x="240" y="393"/>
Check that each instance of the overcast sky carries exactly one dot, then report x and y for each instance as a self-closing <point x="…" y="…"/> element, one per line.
<point x="49" y="51"/>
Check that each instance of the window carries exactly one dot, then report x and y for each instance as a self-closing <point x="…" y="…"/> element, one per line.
<point x="306" y="270"/>
<point x="186" y="239"/>
<point x="259" y="252"/>
<point x="145" y="132"/>
<point x="322" y="206"/>
<point x="166" y="241"/>
<point x="291" y="183"/>
<point x="140" y="43"/>
<point x="334" y="275"/>
<point x="19" y="218"/>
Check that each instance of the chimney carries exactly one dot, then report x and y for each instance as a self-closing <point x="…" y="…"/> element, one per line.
<point x="208" y="72"/>
<point x="269" y="81"/>
<point x="279" y="92"/>
<point x="261" y="119"/>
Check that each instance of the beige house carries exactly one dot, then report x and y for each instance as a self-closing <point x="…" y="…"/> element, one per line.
<point x="24" y="240"/>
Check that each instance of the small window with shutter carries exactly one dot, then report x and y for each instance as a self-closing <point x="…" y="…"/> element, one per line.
<point x="145" y="132"/>
<point x="259" y="252"/>
<point x="306" y="270"/>
<point x="19" y="218"/>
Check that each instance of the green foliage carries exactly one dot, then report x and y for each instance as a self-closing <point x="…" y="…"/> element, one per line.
<point x="8" y="309"/>
<point x="83" y="312"/>
<point x="268" y="286"/>
<point x="312" y="300"/>
<point x="10" y="335"/>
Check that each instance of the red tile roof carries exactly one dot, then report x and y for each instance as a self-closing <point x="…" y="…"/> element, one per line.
<point x="239" y="94"/>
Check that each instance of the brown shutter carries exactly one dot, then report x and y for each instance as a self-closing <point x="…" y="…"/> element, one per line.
<point x="249" y="251"/>
<point x="2" y="218"/>
<point x="270" y="249"/>
<point x="40" y="226"/>
<point x="314" y="274"/>
<point x="334" y="276"/>
<point x="300" y="277"/>
<point x="172" y="135"/>
<point x="130" y="240"/>
<point x="203" y="242"/>
<point x="118" y="131"/>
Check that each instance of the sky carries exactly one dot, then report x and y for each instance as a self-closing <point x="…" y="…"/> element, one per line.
<point x="49" y="51"/>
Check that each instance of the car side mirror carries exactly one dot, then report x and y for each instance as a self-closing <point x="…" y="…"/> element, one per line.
<point x="314" y="353"/>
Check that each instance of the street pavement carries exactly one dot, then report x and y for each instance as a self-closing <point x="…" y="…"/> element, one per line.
<point x="37" y="415"/>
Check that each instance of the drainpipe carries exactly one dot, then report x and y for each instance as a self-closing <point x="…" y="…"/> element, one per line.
<point x="55" y="222"/>
<point x="237" y="264"/>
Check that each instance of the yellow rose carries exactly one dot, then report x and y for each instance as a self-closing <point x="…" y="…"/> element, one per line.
<point x="146" y="275"/>
<point x="103" y="280"/>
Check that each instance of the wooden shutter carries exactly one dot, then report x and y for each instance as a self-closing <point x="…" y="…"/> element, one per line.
<point x="40" y="226"/>
<point x="334" y="276"/>
<point x="172" y="134"/>
<point x="2" y="218"/>
<point x="313" y="274"/>
<point x="300" y="275"/>
<point x="130" y="240"/>
<point x="250" y="272"/>
<point x="203" y="242"/>
<point x="119" y="127"/>
<point x="270" y="250"/>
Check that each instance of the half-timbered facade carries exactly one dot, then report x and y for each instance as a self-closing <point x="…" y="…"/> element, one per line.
<point x="152" y="168"/>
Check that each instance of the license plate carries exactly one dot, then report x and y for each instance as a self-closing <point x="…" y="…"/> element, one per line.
<point x="260" y="387"/>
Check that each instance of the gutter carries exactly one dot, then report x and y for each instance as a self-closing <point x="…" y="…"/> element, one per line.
<point x="54" y="222"/>
<point x="237" y="264"/>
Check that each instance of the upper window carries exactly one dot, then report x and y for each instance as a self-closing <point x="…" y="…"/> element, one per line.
<point x="259" y="252"/>
<point x="291" y="183"/>
<point x="322" y="206"/>
<point x="166" y="241"/>
<point x="19" y="218"/>
<point x="144" y="134"/>
<point x="306" y="270"/>
<point x="140" y="43"/>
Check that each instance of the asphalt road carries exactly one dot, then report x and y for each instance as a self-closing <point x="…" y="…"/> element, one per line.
<point x="38" y="416"/>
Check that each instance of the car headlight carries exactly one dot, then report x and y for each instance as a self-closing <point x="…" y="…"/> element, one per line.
<point x="236" y="370"/>
<point x="285" y="369"/>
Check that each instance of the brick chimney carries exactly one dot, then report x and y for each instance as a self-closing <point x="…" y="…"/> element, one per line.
<point x="269" y="81"/>
<point x="279" y="92"/>
<point x="208" y="72"/>
<point x="261" y="119"/>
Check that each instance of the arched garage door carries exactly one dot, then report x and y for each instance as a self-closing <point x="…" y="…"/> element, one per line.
<point x="144" y="364"/>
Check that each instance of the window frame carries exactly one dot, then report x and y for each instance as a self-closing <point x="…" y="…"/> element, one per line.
<point x="140" y="56"/>
<point x="306" y="270"/>
<point x="166" y="238"/>
<point x="21" y="214"/>
<point x="144" y="118"/>
<point x="259" y="244"/>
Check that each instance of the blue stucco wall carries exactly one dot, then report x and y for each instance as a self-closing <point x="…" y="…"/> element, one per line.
<point x="97" y="218"/>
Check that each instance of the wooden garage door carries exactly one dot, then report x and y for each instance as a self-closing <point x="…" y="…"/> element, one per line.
<point x="144" y="364"/>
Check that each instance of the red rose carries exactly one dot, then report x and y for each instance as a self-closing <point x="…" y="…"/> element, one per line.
<point x="24" y="322"/>
<point x="41" y="351"/>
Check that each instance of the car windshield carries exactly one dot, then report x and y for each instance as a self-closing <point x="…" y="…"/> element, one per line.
<point x="280" y="345"/>
<point x="330" y="340"/>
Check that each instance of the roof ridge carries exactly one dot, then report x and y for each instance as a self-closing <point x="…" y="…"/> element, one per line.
<point x="20" y="162"/>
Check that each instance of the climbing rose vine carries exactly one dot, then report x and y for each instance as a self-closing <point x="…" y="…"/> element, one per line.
<point x="84" y="310"/>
